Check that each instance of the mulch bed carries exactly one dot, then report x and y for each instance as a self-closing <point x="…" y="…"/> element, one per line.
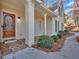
<point x="56" y="46"/>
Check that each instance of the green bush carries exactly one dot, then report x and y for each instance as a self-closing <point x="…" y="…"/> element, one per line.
<point x="54" y="38"/>
<point x="45" y="42"/>
<point x="60" y="34"/>
<point x="43" y="37"/>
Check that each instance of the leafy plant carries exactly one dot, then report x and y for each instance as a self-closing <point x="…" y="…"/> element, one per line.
<point x="60" y="34"/>
<point x="54" y="38"/>
<point x="45" y="42"/>
<point x="43" y="37"/>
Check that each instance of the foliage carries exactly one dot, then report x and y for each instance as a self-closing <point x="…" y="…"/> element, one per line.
<point x="54" y="38"/>
<point x="45" y="42"/>
<point x="60" y="34"/>
<point x="43" y="37"/>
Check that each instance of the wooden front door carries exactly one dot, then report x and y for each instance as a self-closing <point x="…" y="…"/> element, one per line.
<point x="8" y="25"/>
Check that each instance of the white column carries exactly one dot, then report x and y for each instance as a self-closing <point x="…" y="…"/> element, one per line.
<point x="29" y="14"/>
<point x="53" y="26"/>
<point x="45" y="23"/>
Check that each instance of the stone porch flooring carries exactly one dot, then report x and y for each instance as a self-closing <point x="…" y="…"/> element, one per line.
<point x="15" y="45"/>
<point x="69" y="51"/>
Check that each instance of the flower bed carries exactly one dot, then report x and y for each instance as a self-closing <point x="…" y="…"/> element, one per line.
<point x="55" y="47"/>
<point x="59" y="44"/>
<point x="50" y="44"/>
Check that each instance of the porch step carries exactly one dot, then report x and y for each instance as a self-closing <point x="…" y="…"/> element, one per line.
<point x="10" y="41"/>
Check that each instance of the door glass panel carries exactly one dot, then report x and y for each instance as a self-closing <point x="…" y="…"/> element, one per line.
<point x="8" y="23"/>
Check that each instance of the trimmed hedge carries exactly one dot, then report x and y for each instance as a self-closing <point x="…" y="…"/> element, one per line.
<point x="60" y="33"/>
<point x="45" y="42"/>
<point x="54" y="38"/>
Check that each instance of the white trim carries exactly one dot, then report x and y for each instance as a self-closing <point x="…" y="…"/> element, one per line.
<point x="8" y="11"/>
<point x="9" y="38"/>
<point x="10" y="41"/>
<point x="45" y="23"/>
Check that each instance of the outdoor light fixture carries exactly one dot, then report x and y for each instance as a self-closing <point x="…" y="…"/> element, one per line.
<point x="19" y="17"/>
<point x="19" y="20"/>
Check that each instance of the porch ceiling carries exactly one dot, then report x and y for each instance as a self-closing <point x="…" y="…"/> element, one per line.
<point x="40" y="15"/>
<point x="18" y="4"/>
<point x="43" y="9"/>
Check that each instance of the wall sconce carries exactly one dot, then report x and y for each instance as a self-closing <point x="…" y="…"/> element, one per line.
<point x="19" y="20"/>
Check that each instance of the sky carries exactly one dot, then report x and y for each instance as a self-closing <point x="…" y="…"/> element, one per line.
<point x="68" y="4"/>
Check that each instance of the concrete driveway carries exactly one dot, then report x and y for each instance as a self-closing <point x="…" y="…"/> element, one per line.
<point x="69" y="51"/>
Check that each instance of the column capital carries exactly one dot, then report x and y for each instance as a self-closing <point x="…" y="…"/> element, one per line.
<point x="29" y="0"/>
<point x="45" y="14"/>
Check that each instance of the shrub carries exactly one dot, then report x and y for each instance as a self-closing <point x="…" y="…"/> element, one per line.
<point x="66" y="31"/>
<point x="43" y="37"/>
<point x="60" y="34"/>
<point x="44" y="42"/>
<point x="54" y="38"/>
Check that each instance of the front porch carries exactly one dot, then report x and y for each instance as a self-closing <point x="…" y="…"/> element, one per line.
<point x="35" y="20"/>
<point x="27" y="20"/>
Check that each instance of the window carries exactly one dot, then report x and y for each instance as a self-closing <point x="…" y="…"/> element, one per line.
<point x="62" y="26"/>
<point x="58" y="25"/>
<point x="59" y="11"/>
<point x="40" y="26"/>
<point x="55" y="25"/>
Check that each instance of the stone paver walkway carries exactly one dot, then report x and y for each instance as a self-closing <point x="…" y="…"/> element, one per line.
<point x="69" y="51"/>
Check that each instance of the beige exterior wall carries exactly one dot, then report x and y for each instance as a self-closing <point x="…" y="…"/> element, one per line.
<point x="39" y="27"/>
<point x="20" y="26"/>
<point x="49" y="27"/>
